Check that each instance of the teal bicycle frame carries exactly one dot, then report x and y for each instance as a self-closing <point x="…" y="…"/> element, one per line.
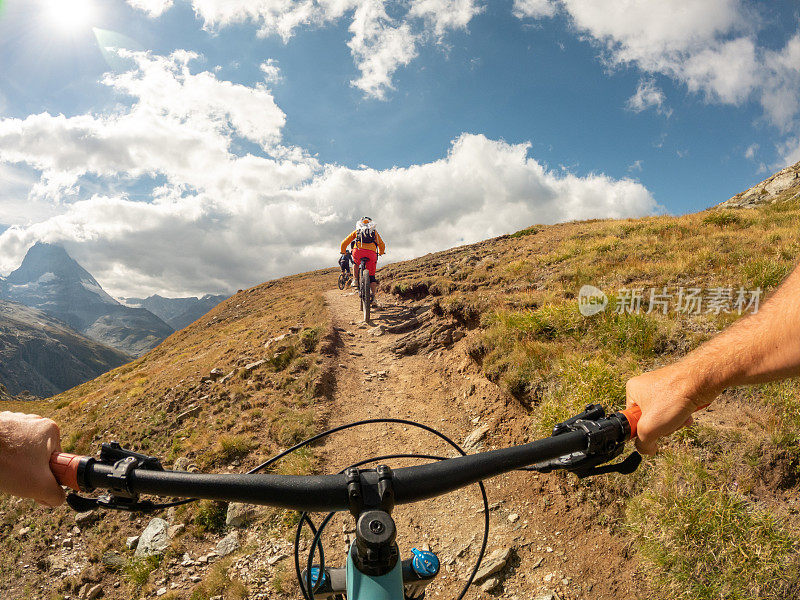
<point x="368" y="587"/>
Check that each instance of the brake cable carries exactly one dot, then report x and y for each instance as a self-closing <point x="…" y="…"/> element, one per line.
<point x="317" y="537"/>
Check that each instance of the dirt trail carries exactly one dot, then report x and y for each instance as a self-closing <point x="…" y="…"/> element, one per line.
<point x="555" y="545"/>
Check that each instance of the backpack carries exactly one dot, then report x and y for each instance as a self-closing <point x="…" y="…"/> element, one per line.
<point x="364" y="236"/>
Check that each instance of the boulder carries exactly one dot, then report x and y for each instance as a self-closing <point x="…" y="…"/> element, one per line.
<point x="239" y="514"/>
<point x="154" y="539"/>
<point x="228" y="544"/>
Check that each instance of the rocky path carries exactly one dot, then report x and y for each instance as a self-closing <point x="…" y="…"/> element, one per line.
<point x="540" y="546"/>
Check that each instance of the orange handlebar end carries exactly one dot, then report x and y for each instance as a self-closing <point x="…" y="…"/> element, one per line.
<point x="633" y="414"/>
<point x="65" y="468"/>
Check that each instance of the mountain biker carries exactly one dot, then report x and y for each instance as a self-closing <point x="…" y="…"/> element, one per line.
<point x="346" y="259"/>
<point x="26" y="443"/>
<point x="762" y="347"/>
<point x="369" y="245"/>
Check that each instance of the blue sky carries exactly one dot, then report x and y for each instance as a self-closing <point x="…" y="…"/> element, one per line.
<point x="192" y="154"/>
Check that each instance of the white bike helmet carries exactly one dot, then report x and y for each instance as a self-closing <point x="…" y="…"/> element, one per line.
<point x="365" y="224"/>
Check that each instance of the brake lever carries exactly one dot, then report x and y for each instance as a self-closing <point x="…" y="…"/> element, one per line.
<point x="606" y="437"/>
<point x="120" y="496"/>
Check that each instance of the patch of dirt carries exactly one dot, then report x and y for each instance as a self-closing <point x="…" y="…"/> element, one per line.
<point x="555" y="532"/>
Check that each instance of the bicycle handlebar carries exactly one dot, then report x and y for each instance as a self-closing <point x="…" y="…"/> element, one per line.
<point x="317" y="493"/>
<point x="312" y="493"/>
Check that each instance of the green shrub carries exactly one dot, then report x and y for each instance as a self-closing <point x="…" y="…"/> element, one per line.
<point x="233" y="446"/>
<point x="309" y="338"/>
<point x="138" y="570"/>
<point x="765" y="273"/>
<point x="722" y="219"/>
<point x="211" y="515"/>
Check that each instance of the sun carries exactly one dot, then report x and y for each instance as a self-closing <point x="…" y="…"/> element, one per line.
<point x="69" y="15"/>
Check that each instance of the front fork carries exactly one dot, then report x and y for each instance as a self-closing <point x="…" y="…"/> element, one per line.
<point x="406" y="581"/>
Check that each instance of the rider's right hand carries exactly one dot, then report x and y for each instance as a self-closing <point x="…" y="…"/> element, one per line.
<point x="667" y="398"/>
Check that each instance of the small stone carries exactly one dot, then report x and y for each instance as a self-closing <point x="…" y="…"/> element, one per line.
<point x="228" y="544"/>
<point x="86" y="518"/>
<point x="490" y="584"/>
<point x="253" y="365"/>
<point x="24" y="531"/>
<point x="474" y="441"/>
<point x="184" y="464"/>
<point x="191" y="412"/>
<point x="549" y="577"/>
<point x="513" y="518"/>
<point x="546" y="595"/>
<point x="276" y="558"/>
<point x="494" y="563"/>
<point x="175" y="530"/>
<point x="216" y="373"/>
<point x="161" y="591"/>
<point x="113" y="560"/>
<point x="94" y="592"/>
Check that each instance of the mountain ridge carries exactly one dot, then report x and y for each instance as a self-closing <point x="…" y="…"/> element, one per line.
<point x="43" y="356"/>
<point x="177" y="312"/>
<point x="782" y="186"/>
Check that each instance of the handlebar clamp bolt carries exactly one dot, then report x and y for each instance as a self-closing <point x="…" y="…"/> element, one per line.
<point x="376" y="527"/>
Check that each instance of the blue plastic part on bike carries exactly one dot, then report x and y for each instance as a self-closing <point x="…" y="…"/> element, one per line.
<point x="367" y="587"/>
<point x="425" y="563"/>
<point x="315" y="576"/>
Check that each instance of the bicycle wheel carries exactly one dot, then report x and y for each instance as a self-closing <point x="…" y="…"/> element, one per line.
<point x="366" y="300"/>
<point x="342" y="281"/>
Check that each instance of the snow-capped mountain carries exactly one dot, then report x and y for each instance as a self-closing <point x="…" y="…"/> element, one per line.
<point x="50" y="280"/>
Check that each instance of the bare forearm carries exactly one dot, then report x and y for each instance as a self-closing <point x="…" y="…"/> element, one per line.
<point x="762" y="347"/>
<point x="758" y="348"/>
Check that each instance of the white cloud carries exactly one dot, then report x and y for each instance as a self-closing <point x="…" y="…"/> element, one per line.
<point x="381" y="43"/>
<point x="534" y="9"/>
<point x="218" y="220"/>
<point x="789" y="152"/>
<point x="271" y="70"/>
<point x="750" y="152"/>
<point x="444" y="15"/>
<point x="154" y="8"/>
<point x="708" y="45"/>
<point x="379" y="48"/>
<point x="181" y="125"/>
<point x="648" y="95"/>
<point x="635" y="166"/>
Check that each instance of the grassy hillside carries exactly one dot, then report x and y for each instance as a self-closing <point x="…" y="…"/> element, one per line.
<point x="164" y="403"/>
<point x="714" y="516"/>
